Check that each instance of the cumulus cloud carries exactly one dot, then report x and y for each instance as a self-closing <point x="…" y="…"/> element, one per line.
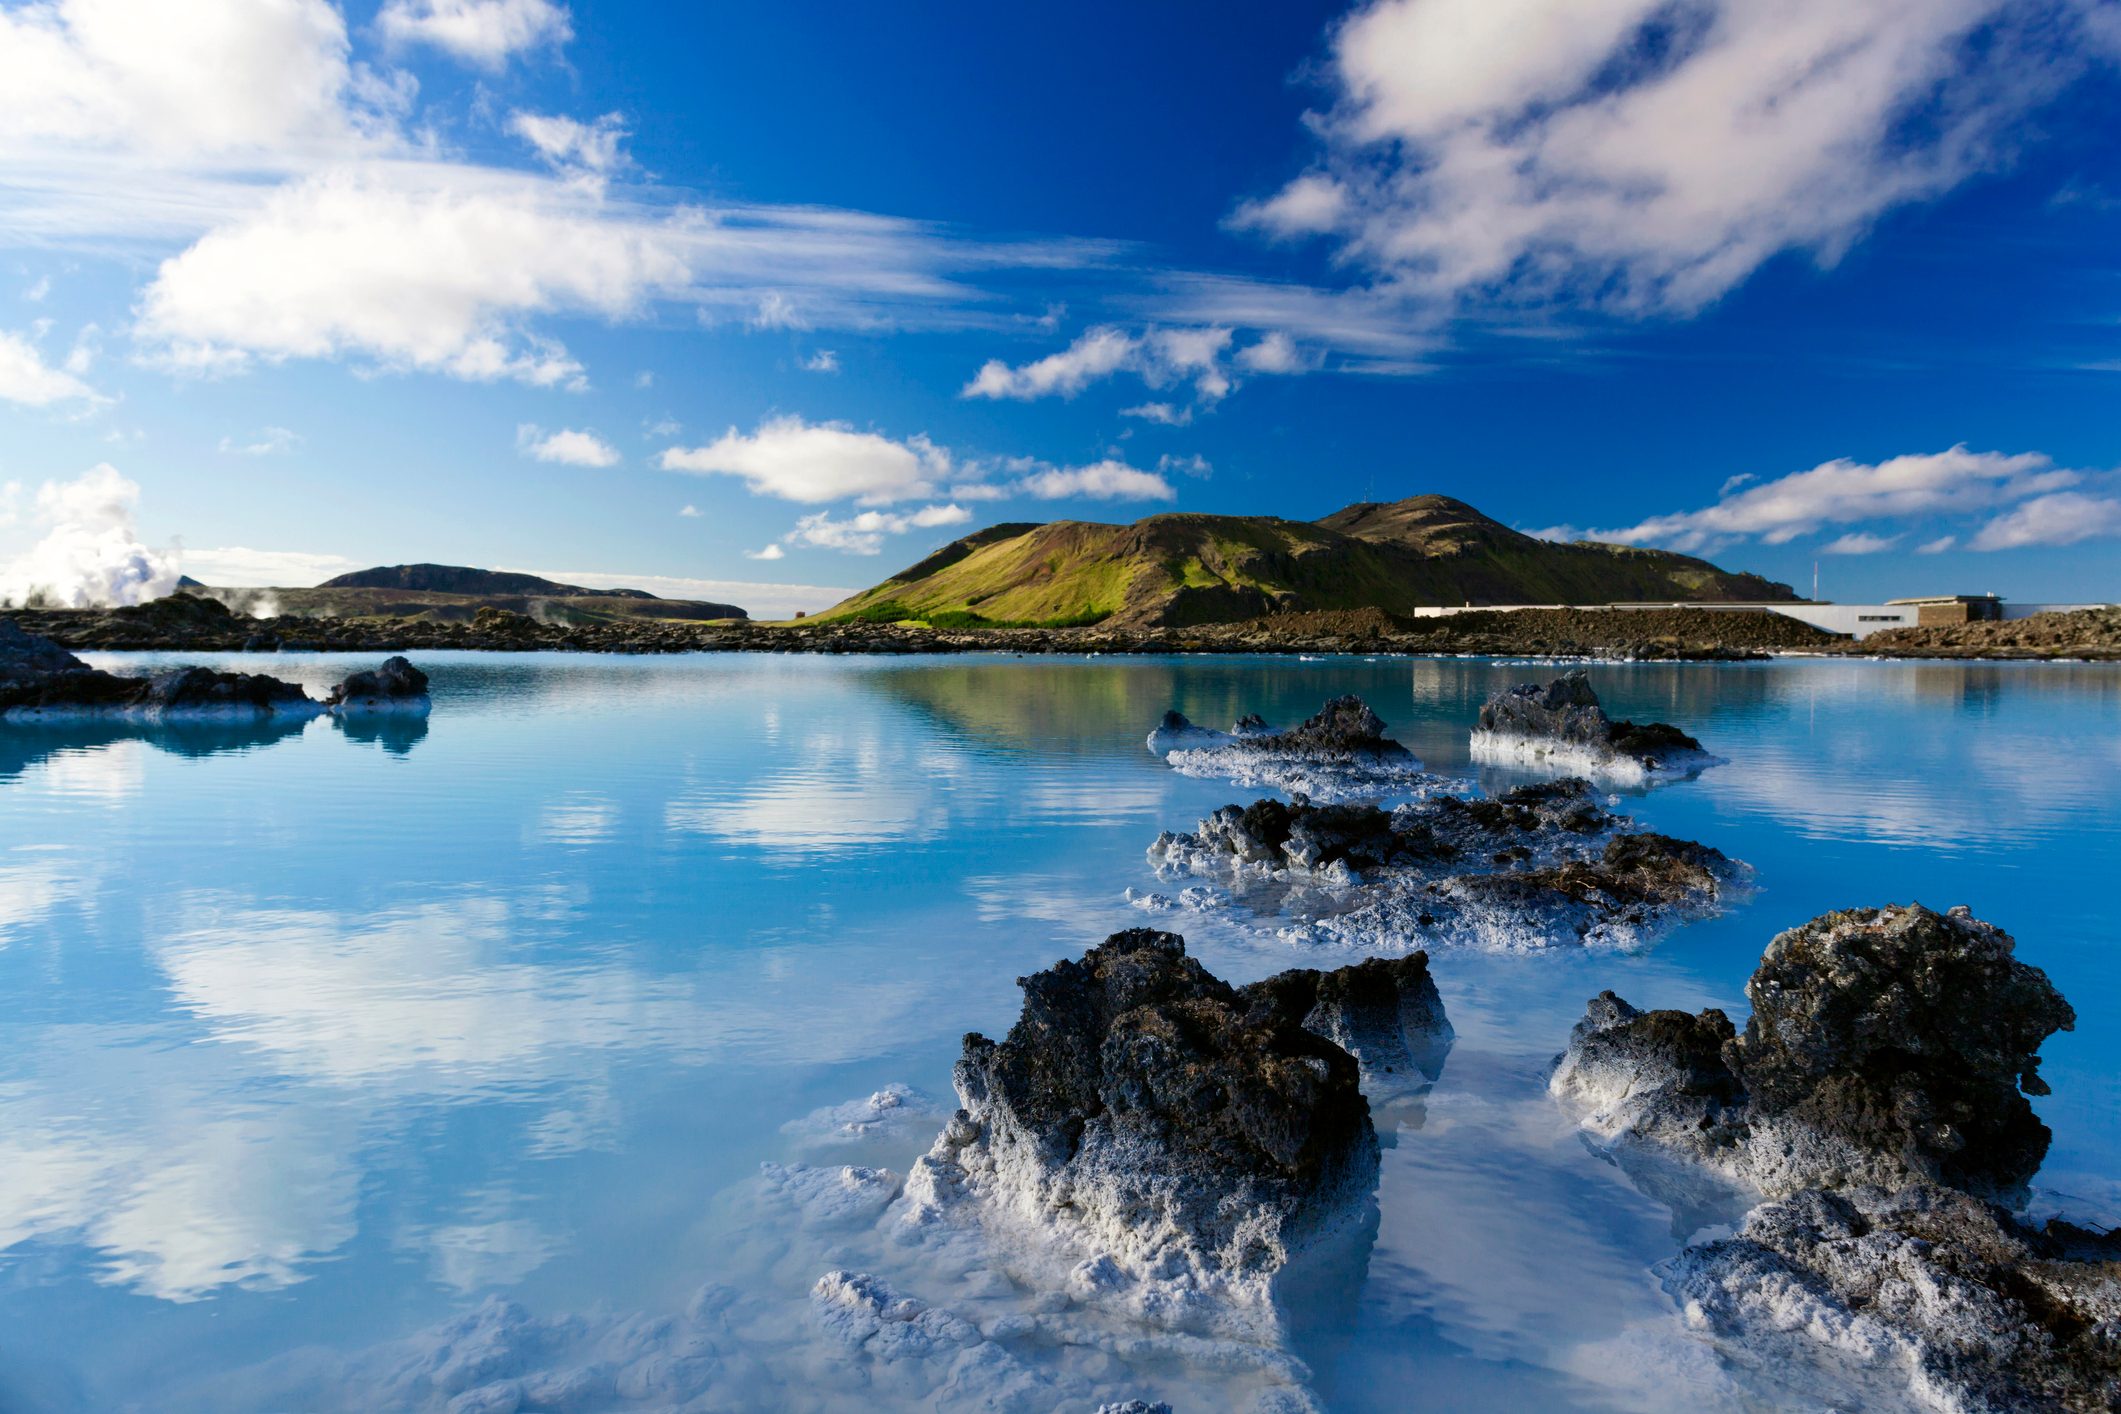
<point x="2064" y="518"/>
<point x="1276" y="352"/>
<point x="484" y="32"/>
<point x="864" y="534"/>
<point x="771" y="552"/>
<point x="1160" y="357"/>
<point x="1648" y="157"/>
<point x="689" y="512"/>
<point x="823" y="361"/>
<point x="27" y="379"/>
<point x="1937" y="546"/>
<point x="1107" y="480"/>
<point x="816" y="462"/>
<point x="1842" y="492"/>
<point x="265" y="442"/>
<point x="568" y="446"/>
<point x="90" y="553"/>
<point x="414" y="268"/>
<point x="567" y="143"/>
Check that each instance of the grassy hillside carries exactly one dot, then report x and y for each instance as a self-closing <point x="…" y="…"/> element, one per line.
<point x="1184" y="569"/>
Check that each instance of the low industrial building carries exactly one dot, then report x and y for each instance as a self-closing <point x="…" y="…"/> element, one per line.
<point x="1854" y="620"/>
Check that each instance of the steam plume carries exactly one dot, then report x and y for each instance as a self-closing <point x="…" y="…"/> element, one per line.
<point x="90" y="555"/>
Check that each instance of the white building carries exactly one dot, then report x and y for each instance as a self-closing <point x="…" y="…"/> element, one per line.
<point x="1855" y="620"/>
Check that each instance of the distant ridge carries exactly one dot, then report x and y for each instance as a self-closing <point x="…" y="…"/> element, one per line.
<point x="462" y="579"/>
<point x="1183" y="569"/>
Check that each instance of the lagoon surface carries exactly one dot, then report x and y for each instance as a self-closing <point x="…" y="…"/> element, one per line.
<point x="316" y="1043"/>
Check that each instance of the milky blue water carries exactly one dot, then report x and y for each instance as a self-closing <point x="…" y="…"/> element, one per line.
<point x="311" y="1041"/>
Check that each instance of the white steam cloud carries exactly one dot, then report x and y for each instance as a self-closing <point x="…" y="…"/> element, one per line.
<point x="90" y="555"/>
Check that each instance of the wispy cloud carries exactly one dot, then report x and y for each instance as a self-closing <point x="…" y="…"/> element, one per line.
<point x="1645" y="159"/>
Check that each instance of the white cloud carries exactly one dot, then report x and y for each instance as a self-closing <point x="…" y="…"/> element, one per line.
<point x="1276" y="352"/>
<point x="234" y="80"/>
<point x="816" y="462"/>
<point x="240" y="567"/>
<point x="2064" y="518"/>
<point x="776" y="311"/>
<point x="309" y="212"/>
<point x="1937" y="546"/>
<point x="565" y="142"/>
<point x="38" y="289"/>
<point x="483" y="32"/>
<point x="90" y="553"/>
<point x="1843" y="491"/>
<point x="421" y="268"/>
<point x="1107" y="480"/>
<point x="1159" y="356"/>
<point x="1194" y="465"/>
<point x="823" y="361"/>
<point x="771" y="552"/>
<point x="568" y="446"/>
<point x="1163" y="413"/>
<point x="1644" y="156"/>
<point x="27" y="379"/>
<point x="864" y="534"/>
<point x="689" y="512"/>
<point x="265" y="442"/>
<point x="1859" y="542"/>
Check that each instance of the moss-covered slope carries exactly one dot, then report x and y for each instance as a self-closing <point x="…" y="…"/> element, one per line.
<point x="1182" y="569"/>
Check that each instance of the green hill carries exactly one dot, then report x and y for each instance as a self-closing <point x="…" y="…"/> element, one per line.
<point x="1183" y="569"/>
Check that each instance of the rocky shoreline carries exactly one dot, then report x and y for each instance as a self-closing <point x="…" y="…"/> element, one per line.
<point x="183" y="622"/>
<point x="186" y="622"/>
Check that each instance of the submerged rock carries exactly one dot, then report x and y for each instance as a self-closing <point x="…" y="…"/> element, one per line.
<point x="397" y="686"/>
<point x="1537" y="865"/>
<point x="1926" y="1288"/>
<point x="1187" y="1137"/>
<point x="1562" y="725"/>
<point x="1886" y="1046"/>
<point x="41" y="681"/>
<point x="1340" y="753"/>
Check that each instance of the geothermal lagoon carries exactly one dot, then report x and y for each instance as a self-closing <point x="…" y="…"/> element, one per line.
<point x="568" y="1048"/>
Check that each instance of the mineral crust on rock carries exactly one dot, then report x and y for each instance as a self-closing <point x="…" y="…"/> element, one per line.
<point x="1342" y="753"/>
<point x="1536" y="866"/>
<point x="396" y="687"/>
<point x="1886" y="1046"/>
<point x="1184" y="1137"/>
<point x="1925" y="1290"/>
<point x="1562" y="726"/>
<point x="40" y="681"/>
<point x="1877" y="1098"/>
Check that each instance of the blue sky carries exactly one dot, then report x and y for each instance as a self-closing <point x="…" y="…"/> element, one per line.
<point x="765" y="302"/>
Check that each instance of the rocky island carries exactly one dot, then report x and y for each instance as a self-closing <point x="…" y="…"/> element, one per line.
<point x="1537" y="866"/>
<point x="42" y="682"/>
<point x="1877" y="1098"/>
<point x="1339" y="753"/>
<point x="1184" y="1138"/>
<point x="1561" y="725"/>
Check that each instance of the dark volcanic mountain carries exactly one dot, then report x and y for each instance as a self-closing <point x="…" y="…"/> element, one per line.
<point x="462" y="579"/>
<point x="1182" y="569"/>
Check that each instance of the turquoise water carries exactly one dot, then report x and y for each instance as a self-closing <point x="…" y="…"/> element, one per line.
<point x="313" y="1041"/>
